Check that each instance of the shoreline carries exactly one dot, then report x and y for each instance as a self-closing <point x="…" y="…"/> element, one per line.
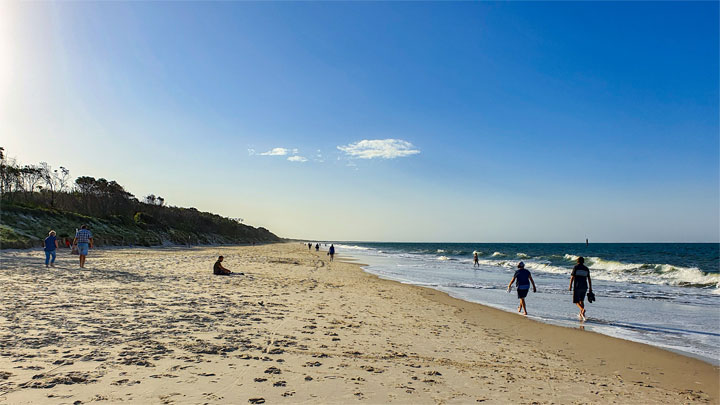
<point x="155" y="326"/>
<point x="660" y="357"/>
<point x="710" y="361"/>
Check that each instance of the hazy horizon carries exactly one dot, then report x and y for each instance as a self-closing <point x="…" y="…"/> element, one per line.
<point x="430" y="122"/>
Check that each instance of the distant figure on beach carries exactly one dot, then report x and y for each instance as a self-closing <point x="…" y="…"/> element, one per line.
<point x="331" y="252"/>
<point x="51" y="245"/>
<point x="309" y="246"/>
<point x="317" y="247"/>
<point x="580" y="280"/>
<point x="523" y="278"/>
<point x="84" y="242"/>
<point x="218" y="268"/>
<point x="67" y="243"/>
<point x="476" y="260"/>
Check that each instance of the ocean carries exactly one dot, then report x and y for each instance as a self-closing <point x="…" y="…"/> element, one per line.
<point x="662" y="294"/>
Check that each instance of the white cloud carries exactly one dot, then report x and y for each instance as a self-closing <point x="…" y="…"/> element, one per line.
<point x="297" y="159"/>
<point x="379" y="148"/>
<point x="251" y="151"/>
<point x="276" y="152"/>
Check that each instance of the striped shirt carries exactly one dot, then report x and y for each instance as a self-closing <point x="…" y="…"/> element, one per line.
<point x="83" y="236"/>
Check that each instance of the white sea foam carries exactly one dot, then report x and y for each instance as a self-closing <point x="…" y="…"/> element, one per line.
<point x="443" y="258"/>
<point x="522" y="255"/>
<point x="440" y="251"/>
<point x="496" y="254"/>
<point x="608" y="270"/>
<point x="353" y="247"/>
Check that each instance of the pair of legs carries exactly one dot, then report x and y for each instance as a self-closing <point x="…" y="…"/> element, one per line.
<point x="521" y="307"/>
<point x="83" y="250"/>
<point x="522" y="293"/>
<point x="581" y="305"/>
<point x="579" y="300"/>
<point x="50" y="258"/>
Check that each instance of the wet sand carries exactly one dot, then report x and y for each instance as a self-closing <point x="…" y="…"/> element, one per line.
<point x="155" y="326"/>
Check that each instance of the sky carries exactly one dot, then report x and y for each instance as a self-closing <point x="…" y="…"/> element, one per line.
<point x="369" y="121"/>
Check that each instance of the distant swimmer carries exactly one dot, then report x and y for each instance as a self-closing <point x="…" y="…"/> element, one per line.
<point x="587" y="242"/>
<point x="580" y="280"/>
<point x="317" y="247"/>
<point x="523" y="278"/>
<point x="331" y="252"/>
<point x="476" y="260"/>
<point x="220" y="270"/>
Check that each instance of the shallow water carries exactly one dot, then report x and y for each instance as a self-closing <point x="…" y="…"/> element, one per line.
<point x="665" y="295"/>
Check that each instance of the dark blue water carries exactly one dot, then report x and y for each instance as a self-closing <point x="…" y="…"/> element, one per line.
<point x="661" y="294"/>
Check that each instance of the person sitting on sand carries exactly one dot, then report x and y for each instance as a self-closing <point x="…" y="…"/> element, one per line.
<point x="580" y="280"/>
<point x="476" y="260"/>
<point x="218" y="268"/>
<point x="524" y="278"/>
<point x="331" y="252"/>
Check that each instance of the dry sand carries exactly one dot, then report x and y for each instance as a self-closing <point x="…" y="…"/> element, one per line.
<point x="155" y="326"/>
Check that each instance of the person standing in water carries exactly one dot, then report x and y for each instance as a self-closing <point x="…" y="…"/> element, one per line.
<point x="580" y="280"/>
<point x="331" y="252"/>
<point x="523" y="278"/>
<point x="476" y="260"/>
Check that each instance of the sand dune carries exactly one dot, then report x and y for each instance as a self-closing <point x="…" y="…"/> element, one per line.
<point x="155" y="326"/>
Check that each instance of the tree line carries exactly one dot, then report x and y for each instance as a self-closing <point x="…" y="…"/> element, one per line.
<point x="41" y="186"/>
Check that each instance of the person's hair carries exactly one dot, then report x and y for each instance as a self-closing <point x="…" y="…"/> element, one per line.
<point x="220" y="257"/>
<point x="51" y="233"/>
<point x="581" y="260"/>
<point x="83" y="226"/>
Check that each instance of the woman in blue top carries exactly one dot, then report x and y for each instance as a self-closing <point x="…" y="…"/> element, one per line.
<point x="51" y="246"/>
<point x="524" y="278"/>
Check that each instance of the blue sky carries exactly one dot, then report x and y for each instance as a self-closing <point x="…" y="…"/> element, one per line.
<point x="481" y="121"/>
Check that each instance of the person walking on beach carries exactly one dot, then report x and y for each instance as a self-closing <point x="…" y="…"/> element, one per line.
<point x="476" y="260"/>
<point x="84" y="242"/>
<point x="331" y="252"/>
<point x="523" y="278"/>
<point x="309" y="246"/>
<point x="51" y="245"/>
<point x="218" y="268"/>
<point x="580" y="280"/>
<point x="317" y="247"/>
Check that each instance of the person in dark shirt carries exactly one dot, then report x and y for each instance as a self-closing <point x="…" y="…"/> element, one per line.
<point x="218" y="268"/>
<point x="580" y="281"/>
<point x="523" y="278"/>
<point x="51" y="245"/>
<point x="331" y="252"/>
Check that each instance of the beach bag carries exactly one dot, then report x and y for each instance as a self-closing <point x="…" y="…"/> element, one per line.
<point x="75" y="250"/>
<point x="591" y="296"/>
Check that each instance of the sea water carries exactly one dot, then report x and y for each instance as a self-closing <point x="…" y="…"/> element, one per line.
<point x="667" y="295"/>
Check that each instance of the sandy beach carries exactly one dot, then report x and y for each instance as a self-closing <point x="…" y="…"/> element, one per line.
<point x="153" y="325"/>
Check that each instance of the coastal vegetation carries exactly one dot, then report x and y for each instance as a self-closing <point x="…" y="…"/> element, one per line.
<point x="37" y="198"/>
